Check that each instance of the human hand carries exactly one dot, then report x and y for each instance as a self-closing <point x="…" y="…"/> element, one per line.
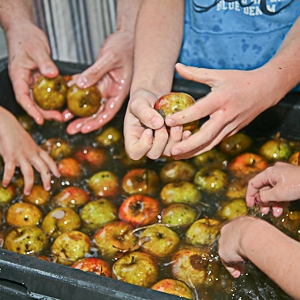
<point x="18" y="149"/>
<point x="230" y="248"/>
<point x="112" y="74"/>
<point x="29" y="57"/>
<point x="234" y="101"/>
<point x="274" y="187"/>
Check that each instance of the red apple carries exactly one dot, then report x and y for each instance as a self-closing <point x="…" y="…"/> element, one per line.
<point x="92" y="157"/>
<point x="139" y="210"/>
<point x="93" y="265"/>
<point x="174" y="102"/>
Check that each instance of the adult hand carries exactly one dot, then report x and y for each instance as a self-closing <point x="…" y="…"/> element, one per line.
<point x="236" y="98"/>
<point x="112" y="74"/>
<point x="29" y="57"/>
<point x="274" y="187"/>
<point x="18" y="149"/>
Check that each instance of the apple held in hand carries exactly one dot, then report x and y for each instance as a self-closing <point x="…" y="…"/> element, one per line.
<point x="174" y="102"/>
<point x="83" y="102"/>
<point x="50" y="93"/>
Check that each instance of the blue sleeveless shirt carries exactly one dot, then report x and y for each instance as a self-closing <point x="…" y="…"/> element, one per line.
<point x="235" y="34"/>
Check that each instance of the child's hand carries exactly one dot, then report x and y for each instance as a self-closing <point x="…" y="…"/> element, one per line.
<point x="18" y="149"/>
<point x="274" y="187"/>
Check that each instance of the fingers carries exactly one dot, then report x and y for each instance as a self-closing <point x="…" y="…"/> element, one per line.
<point x="174" y="138"/>
<point x="159" y="143"/>
<point x="9" y="170"/>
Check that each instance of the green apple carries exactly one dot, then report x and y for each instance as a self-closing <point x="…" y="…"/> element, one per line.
<point x="231" y="209"/>
<point x="236" y="144"/>
<point x="276" y="149"/>
<point x="50" y="93"/>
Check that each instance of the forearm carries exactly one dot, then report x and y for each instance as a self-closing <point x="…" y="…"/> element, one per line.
<point x="127" y="12"/>
<point x="276" y="254"/>
<point x="283" y="70"/>
<point x="158" y="41"/>
<point x="15" y="12"/>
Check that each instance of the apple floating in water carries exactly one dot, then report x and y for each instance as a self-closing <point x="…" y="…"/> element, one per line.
<point x="50" y="93"/>
<point x="83" y="102"/>
<point x="174" y="102"/>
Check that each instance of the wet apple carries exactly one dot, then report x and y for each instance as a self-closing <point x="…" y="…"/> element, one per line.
<point x="37" y="196"/>
<point x="83" y="102"/>
<point x="57" y="148"/>
<point x="50" y="93"/>
<point x="174" y="102"/>
<point x="93" y="265"/>
<point x="235" y="144"/>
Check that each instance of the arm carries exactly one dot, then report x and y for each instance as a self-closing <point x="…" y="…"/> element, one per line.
<point x="28" y="55"/>
<point x="236" y="96"/>
<point x="112" y="70"/>
<point x="273" y="252"/>
<point x="18" y="149"/>
<point x="158" y="40"/>
<point x="279" y="183"/>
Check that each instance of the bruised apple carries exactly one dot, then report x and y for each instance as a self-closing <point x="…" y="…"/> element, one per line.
<point x="83" y="102"/>
<point x="50" y="93"/>
<point x="174" y="102"/>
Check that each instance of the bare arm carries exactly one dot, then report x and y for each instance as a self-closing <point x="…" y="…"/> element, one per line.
<point x="158" y="40"/>
<point x="28" y="55"/>
<point x="274" y="253"/>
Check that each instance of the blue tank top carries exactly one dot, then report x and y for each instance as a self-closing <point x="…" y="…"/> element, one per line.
<point x="235" y="34"/>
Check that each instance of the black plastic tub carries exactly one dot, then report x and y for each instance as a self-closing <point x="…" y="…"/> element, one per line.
<point x="25" y="277"/>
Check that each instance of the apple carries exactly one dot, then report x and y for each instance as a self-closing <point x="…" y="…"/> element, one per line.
<point x="128" y="163"/>
<point x="139" y="210"/>
<point x="179" y="214"/>
<point x="174" y="102"/>
<point x="83" y="102"/>
<point x="70" y="246"/>
<point x="212" y="158"/>
<point x="23" y="214"/>
<point x="109" y="136"/>
<point x="294" y="159"/>
<point x="104" y="184"/>
<point x="137" y="268"/>
<point x="50" y="93"/>
<point x="91" y="157"/>
<point x="142" y="180"/>
<point x="57" y="148"/>
<point x="178" y="170"/>
<point x="173" y="287"/>
<point x="235" y="144"/>
<point x="7" y="194"/>
<point x="277" y="149"/>
<point x="203" y="232"/>
<point x="97" y="213"/>
<point x="72" y="196"/>
<point x="237" y="188"/>
<point x="211" y="180"/>
<point x="159" y="240"/>
<point x="37" y="196"/>
<point x="247" y="163"/>
<point x="114" y="239"/>
<point x="196" y="266"/>
<point x="26" y="121"/>
<point x="93" y="265"/>
<point x="60" y="220"/>
<point x="231" y="209"/>
<point x="26" y="240"/>
<point x="180" y="192"/>
<point x="69" y="167"/>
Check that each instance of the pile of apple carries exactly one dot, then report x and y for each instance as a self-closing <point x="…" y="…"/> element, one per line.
<point x="151" y="224"/>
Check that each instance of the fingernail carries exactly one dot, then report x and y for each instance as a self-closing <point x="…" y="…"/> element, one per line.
<point x="177" y="128"/>
<point x="176" y="151"/>
<point x="170" y="122"/>
<point x="155" y="121"/>
<point x="82" y="81"/>
<point x="50" y="70"/>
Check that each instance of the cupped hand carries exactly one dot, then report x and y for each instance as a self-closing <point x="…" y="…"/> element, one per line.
<point x="112" y="74"/>
<point x="274" y="187"/>
<point x="29" y="57"/>
<point x="144" y="129"/>
<point x="18" y="149"/>
<point x="236" y="98"/>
